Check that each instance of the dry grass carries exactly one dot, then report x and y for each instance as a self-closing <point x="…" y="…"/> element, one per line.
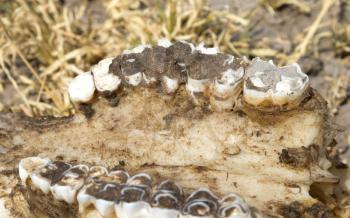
<point x="43" y="43"/>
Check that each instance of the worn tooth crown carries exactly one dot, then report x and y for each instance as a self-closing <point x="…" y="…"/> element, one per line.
<point x="29" y="165"/>
<point x="267" y="85"/>
<point x="105" y="81"/>
<point x="82" y="88"/>
<point x="108" y="194"/>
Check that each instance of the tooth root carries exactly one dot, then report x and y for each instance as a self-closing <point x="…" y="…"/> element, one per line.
<point x="82" y="88"/>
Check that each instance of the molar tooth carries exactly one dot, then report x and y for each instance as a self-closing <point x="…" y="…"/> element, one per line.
<point x="71" y="181"/>
<point x="169" y="85"/>
<point x="138" y="49"/>
<point x="134" y="79"/>
<point x="267" y="85"/>
<point x="137" y="209"/>
<point x="140" y="179"/>
<point x="97" y="171"/>
<point x="227" y="89"/>
<point x="232" y="206"/>
<point x="43" y="178"/>
<point x="164" y="43"/>
<point x="165" y="204"/>
<point x="201" y="203"/>
<point x="82" y="88"/>
<point x="29" y="165"/>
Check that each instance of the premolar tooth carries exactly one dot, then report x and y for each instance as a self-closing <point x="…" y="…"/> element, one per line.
<point x="29" y="165"/>
<point x="82" y="88"/>
<point x="43" y="178"/>
<point x="134" y="79"/>
<point x="201" y="203"/>
<point x="71" y="181"/>
<point x="169" y="85"/>
<point x="148" y="80"/>
<point x="227" y="89"/>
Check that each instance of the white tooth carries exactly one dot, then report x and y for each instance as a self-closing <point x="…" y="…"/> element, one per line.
<point x="208" y="51"/>
<point x="41" y="183"/>
<point x="66" y="189"/>
<point x="65" y="193"/>
<point x="286" y="85"/>
<point x="84" y="200"/>
<point x="171" y="85"/>
<point x="105" y="208"/>
<point x="102" y="67"/>
<point x="29" y="165"/>
<point x="164" y="43"/>
<point x="196" y="86"/>
<point x="138" y="49"/>
<point x="292" y="85"/>
<point x="107" y="82"/>
<point x="137" y="209"/>
<point x="134" y="79"/>
<point x="164" y="212"/>
<point x="255" y="97"/>
<point x="82" y="88"/>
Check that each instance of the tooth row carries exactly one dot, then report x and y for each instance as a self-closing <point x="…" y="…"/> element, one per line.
<point x="102" y="193"/>
<point x="208" y="75"/>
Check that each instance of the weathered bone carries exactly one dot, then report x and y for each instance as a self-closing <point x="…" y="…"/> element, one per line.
<point x="251" y="128"/>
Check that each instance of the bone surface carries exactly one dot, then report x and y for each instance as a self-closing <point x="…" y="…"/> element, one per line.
<point x="191" y="132"/>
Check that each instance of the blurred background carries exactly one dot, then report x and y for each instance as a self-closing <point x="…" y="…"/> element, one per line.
<point x="45" y="43"/>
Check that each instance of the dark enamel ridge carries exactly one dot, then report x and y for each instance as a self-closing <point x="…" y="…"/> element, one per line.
<point x="107" y="190"/>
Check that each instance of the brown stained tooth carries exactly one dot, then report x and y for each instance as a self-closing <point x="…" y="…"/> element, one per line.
<point x="51" y="173"/>
<point x="71" y="181"/>
<point x="97" y="171"/>
<point x="101" y="195"/>
<point x="29" y="165"/>
<point x="141" y="180"/>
